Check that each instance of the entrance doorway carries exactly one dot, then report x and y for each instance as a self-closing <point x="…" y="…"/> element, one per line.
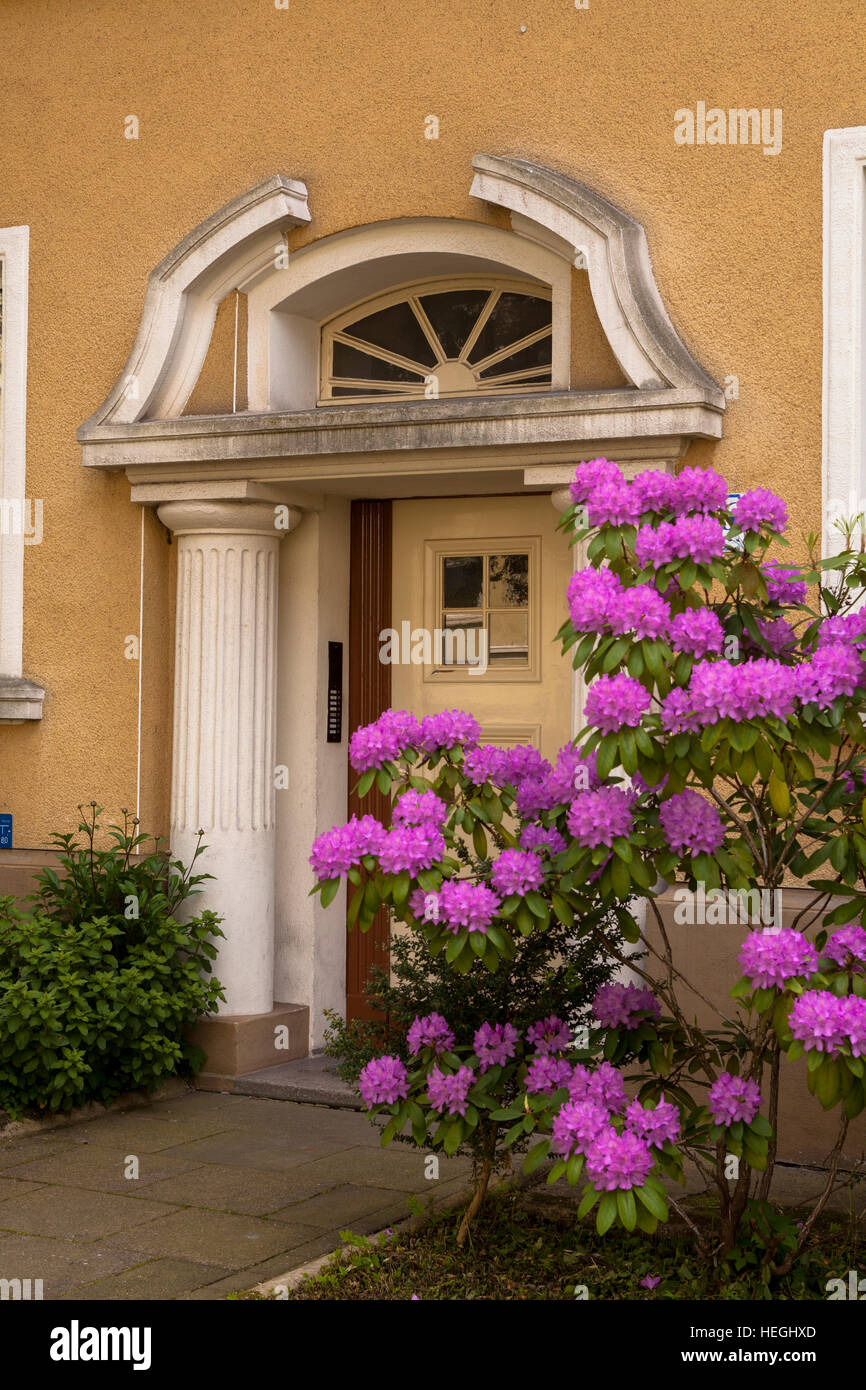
<point x="470" y="592"/>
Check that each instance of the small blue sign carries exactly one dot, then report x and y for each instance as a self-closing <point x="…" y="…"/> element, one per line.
<point x="5" y="832"/>
<point x="735" y="539"/>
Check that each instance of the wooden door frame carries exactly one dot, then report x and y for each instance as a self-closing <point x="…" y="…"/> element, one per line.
<point x="369" y="695"/>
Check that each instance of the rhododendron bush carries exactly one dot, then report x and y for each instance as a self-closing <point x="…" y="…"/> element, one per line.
<point x="723" y="748"/>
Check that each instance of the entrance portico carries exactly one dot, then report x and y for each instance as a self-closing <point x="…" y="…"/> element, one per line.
<point x="259" y="503"/>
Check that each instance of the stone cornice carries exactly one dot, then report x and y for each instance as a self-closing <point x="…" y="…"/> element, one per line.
<point x="518" y="429"/>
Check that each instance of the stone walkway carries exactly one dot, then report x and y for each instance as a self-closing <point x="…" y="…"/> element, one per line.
<point x="231" y="1190"/>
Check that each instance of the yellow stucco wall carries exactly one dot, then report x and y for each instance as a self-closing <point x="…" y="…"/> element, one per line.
<point x="336" y="94"/>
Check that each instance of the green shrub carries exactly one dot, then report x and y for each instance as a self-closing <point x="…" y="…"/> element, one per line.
<point x="99" y="981"/>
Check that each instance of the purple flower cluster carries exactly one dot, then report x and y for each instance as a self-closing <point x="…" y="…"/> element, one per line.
<point x="784" y="585"/>
<point x="700" y="538"/>
<point x="549" y="1035"/>
<point x="655" y="491"/>
<point x="449" y="1091"/>
<point x="411" y="848"/>
<point x="598" y="818"/>
<point x="431" y="1031"/>
<point x="465" y="904"/>
<point x="847" y="947"/>
<point x="618" y="1160"/>
<point x="777" y="634"/>
<point x="611" y="502"/>
<point x="657" y="1126"/>
<point x="597" y="602"/>
<point x="733" y="1098"/>
<point x="340" y="849"/>
<point x="616" y="702"/>
<point x="577" y="1125"/>
<point x="591" y="474"/>
<point x="604" y="1086"/>
<point x="448" y="729"/>
<point x="836" y="669"/>
<point x="516" y="871"/>
<point x="757" y="508"/>
<point x="692" y="825"/>
<point x="494" y="1044"/>
<point x="850" y="628"/>
<point x="718" y="690"/>
<point x="602" y="485"/>
<point x="383" y="1081"/>
<point x="419" y="808"/>
<point x="385" y="739"/>
<point x="825" y="1022"/>
<point x="771" y="958"/>
<point x="699" y="490"/>
<point x="624" y="1006"/>
<point x="542" y="837"/>
<point x="697" y="631"/>
<point x="546" y="1074"/>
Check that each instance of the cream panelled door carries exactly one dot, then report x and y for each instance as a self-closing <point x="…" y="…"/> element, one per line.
<point x="479" y="591"/>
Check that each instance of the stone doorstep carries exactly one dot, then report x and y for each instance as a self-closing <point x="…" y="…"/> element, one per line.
<point x="307" y="1081"/>
<point x="239" y="1043"/>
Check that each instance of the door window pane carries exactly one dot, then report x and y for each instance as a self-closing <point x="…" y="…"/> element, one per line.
<point x="509" y="581"/>
<point x="463" y="581"/>
<point x="509" y="636"/>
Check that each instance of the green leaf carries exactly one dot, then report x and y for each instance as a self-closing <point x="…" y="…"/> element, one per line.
<point x="330" y="891"/>
<point x="367" y="781"/>
<point x="606" y="1215"/>
<point x="563" y="909"/>
<point x="536" y="1155"/>
<point x="653" y="1201"/>
<point x="587" y="1202"/>
<point x="479" y="840"/>
<point x="626" y="1207"/>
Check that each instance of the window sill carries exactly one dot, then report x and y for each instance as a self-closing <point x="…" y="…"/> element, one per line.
<point x="20" y="700"/>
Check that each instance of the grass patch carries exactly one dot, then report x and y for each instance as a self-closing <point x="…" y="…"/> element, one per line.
<point x="515" y="1253"/>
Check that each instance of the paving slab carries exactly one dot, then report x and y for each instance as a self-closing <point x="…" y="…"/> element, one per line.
<point x="154" y="1280"/>
<point x="146" y="1131"/>
<point x="214" y="1237"/>
<point x="76" y="1215"/>
<point x="14" y="1151"/>
<point x="240" y="1280"/>
<point x="247" y="1191"/>
<point x="338" y="1207"/>
<point x="60" y="1264"/>
<point x="14" y="1187"/>
<point x="101" y="1168"/>
<point x="396" y="1166"/>
<point x="248" y="1149"/>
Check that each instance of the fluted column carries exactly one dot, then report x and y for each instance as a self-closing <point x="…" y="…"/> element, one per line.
<point x="224" y="726"/>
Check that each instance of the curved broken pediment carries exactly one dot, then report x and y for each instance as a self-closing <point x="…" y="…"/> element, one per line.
<point x="612" y="248"/>
<point x="232" y="248"/>
<point x="243" y="246"/>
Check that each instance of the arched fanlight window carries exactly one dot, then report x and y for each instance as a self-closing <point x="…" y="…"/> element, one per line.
<point x="476" y="336"/>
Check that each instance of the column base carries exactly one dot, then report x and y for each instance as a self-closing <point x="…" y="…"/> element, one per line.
<point x="240" y="1043"/>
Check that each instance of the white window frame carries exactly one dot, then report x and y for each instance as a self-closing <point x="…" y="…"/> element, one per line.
<point x="20" y="699"/>
<point x="331" y="331"/>
<point x="844" y="362"/>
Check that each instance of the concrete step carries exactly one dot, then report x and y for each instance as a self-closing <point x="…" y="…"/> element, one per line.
<point x="310" y="1079"/>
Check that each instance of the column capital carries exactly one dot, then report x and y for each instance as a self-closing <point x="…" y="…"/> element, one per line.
<point x="561" y="498"/>
<point x="242" y="517"/>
